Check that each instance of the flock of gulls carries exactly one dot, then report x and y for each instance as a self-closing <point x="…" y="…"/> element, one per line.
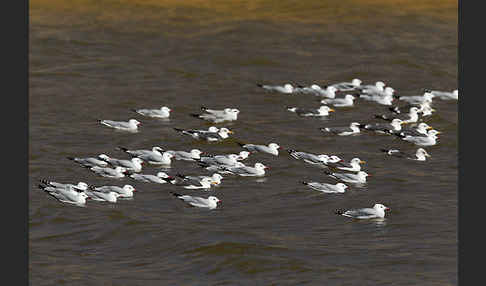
<point x="404" y="120"/>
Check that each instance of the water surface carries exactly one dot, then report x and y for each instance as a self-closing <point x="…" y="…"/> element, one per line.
<point x="94" y="60"/>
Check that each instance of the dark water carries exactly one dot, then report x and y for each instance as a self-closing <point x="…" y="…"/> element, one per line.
<point x="99" y="59"/>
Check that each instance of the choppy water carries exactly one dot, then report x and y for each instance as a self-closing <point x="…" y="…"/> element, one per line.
<point x="91" y="60"/>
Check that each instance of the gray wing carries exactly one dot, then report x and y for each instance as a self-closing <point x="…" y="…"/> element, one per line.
<point x="210" y="136"/>
<point x="337" y="130"/>
<point x="118" y="124"/>
<point x="360" y="213"/>
<point x="194" y="201"/>
<point x="306" y="111"/>
<point x="107" y="189"/>
<point x="379" y="127"/>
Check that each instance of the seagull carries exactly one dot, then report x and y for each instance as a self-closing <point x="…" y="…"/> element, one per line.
<point x="309" y="157"/>
<point x="354" y="128"/>
<point x="272" y="148"/>
<point x="446" y="95"/>
<point x="347" y="101"/>
<point x="163" y="112"/>
<point x="359" y="177"/>
<point x="378" y="211"/>
<point x="89" y="161"/>
<point x="218" y="116"/>
<point x="103" y="196"/>
<point x="286" y="88"/>
<point x="192" y="155"/>
<point x="82" y="186"/>
<point x="327" y="91"/>
<point x="353" y="166"/>
<point x="417" y="99"/>
<point x="394" y="125"/>
<point x="156" y="150"/>
<point x="347" y="86"/>
<point x="211" y="202"/>
<point x="118" y="172"/>
<point x="326" y="188"/>
<point x="159" y="178"/>
<point x="125" y="192"/>
<point x="246" y="171"/>
<point x="164" y="159"/>
<point x="419" y="155"/>
<point x="192" y="182"/>
<point x="208" y="136"/>
<point x="424" y="140"/>
<point x="379" y="86"/>
<point x="229" y="160"/>
<point x="321" y="111"/>
<point x="131" y="125"/>
<point x="215" y="178"/>
<point x="420" y="130"/>
<point x="66" y="194"/>
<point x="223" y="169"/>
<point x="410" y="117"/>
<point x="384" y="97"/>
<point x="135" y="164"/>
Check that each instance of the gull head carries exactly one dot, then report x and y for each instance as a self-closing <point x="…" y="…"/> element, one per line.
<point x="128" y="188"/>
<point x="162" y="175"/>
<point x="288" y="87"/>
<point x="260" y="166"/>
<point x="356" y="82"/>
<point x="134" y="122"/>
<point x="214" y="201"/>
<point x="274" y="146"/>
<point x="325" y="109"/>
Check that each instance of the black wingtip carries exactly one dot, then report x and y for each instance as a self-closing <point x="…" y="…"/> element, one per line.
<point x="175" y="194"/>
<point x="339" y="212"/>
<point x="203" y="108"/>
<point x="304" y="182"/>
<point x="194" y="115"/>
<point x="362" y="125"/>
<point x="327" y="172"/>
<point x="178" y="129"/>
<point x="259" y="85"/>
<point x="122" y="148"/>
<point x="133" y="109"/>
<point x="70" y="158"/>
<point x="383" y="150"/>
<point x="291" y="150"/>
<point x="241" y="144"/>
